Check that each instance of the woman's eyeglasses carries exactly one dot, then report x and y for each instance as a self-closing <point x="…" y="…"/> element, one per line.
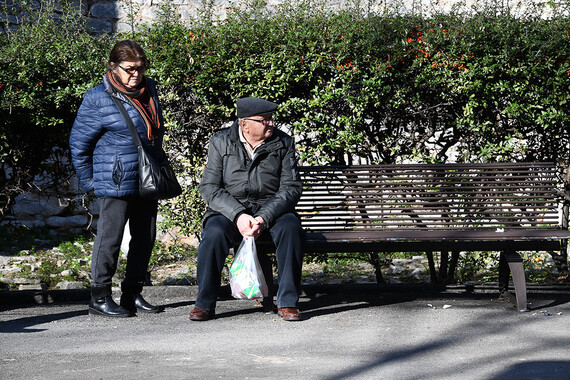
<point x="131" y="70"/>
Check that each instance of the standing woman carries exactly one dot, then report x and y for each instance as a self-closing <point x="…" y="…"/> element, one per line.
<point x="105" y="158"/>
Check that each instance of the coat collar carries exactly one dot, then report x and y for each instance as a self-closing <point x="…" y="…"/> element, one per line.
<point x="111" y="91"/>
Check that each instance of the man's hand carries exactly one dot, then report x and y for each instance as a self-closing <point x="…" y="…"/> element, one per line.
<point x="259" y="227"/>
<point x="250" y="226"/>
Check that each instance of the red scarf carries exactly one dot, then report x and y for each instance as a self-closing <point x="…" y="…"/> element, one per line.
<point x="140" y="98"/>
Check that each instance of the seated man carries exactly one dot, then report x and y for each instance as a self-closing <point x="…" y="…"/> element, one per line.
<point x="251" y="185"/>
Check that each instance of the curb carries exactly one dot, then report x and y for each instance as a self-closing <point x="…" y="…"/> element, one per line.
<point x="46" y="297"/>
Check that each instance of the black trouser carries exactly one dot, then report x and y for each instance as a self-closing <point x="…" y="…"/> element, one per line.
<point x="220" y="234"/>
<point x="115" y="212"/>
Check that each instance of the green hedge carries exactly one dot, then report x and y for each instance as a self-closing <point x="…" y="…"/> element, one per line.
<point x="464" y="85"/>
<point x="477" y="85"/>
<point x="45" y="67"/>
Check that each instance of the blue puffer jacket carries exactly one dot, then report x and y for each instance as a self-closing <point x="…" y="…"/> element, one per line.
<point x="102" y="148"/>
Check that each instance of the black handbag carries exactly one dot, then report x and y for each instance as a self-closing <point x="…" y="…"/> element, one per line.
<point x="157" y="179"/>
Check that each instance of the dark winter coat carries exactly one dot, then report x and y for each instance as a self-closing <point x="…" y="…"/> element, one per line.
<point x="269" y="186"/>
<point x="102" y="148"/>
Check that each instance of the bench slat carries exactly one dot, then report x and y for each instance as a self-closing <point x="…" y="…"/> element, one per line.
<point x="436" y="197"/>
<point x="441" y="235"/>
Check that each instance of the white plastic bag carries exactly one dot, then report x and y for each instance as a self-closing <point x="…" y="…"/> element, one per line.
<point x="246" y="276"/>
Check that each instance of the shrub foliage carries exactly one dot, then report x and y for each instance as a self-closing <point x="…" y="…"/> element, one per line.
<point x="475" y="84"/>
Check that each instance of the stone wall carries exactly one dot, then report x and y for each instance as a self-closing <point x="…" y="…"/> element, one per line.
<point x="67" y="209"/>
<point x="118" y="15"/>
<point x="37" y="210"/>
<point x="124" y="15"/>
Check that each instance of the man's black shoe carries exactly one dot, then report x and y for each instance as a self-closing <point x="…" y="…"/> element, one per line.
<point x="105" y="306"/>
<point x="135" y="301"/>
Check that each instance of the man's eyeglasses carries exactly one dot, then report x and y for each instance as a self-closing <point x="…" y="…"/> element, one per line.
<point x="131" y="70"/>
<point x="262" y="121"/>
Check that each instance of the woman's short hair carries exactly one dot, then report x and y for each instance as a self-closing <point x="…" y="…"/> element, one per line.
<point x="127" y="50"/>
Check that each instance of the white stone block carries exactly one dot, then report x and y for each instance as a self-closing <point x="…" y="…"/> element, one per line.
<point x="36" y="204"/>
<point x="69" y="221"/>
<point x="64" y="285"/>
<point x="32" y="223"/>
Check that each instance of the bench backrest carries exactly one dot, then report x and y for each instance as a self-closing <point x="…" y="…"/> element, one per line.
<point x="430" y="197"/>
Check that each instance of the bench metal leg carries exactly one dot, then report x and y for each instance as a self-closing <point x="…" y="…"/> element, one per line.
<point x="443" y="262"/>
<point x="432" y="273"/>
<point x="516" y="269"/>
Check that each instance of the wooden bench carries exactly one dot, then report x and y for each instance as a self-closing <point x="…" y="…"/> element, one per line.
<point x="505" y="207"/>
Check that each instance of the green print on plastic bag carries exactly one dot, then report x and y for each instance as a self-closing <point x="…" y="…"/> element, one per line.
<point x="246" y="277"/>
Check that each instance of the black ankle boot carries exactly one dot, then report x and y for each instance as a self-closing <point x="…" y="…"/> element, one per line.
<point x="135" y="301"/>
<point x="107" y="307"/>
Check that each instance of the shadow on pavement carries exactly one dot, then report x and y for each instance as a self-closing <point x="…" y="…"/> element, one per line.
<point x="22" y="325"/>
<point x="316" y="300"/>
<point x="552" y="370"/>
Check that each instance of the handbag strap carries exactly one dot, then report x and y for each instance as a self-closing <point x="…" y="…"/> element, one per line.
<point x="132" y="128"/>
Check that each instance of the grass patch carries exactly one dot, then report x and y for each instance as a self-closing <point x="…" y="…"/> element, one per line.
<point x="44" y="257"/>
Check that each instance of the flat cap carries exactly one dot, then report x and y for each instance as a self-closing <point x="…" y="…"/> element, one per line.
<point x="247" y="107"/>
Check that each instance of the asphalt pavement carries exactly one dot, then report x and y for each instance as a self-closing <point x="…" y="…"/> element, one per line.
<point x="348" y="332"/>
